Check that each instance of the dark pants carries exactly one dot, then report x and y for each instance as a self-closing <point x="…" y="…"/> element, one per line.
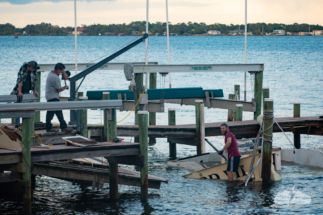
<point x="50" y="116"/>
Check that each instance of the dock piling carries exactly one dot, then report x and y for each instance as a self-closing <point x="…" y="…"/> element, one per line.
<point x="267" y="141"/>
<point x="37" y="113"/>
<point x="83" y="118"/>
<point x="258" y="93"/>
<point x="105" y="96"/>
<point x="297" y="135"/>
<point x="265" y="95"/>
<point x="26" y="159"/>
<point x="143" y="140"/>
<point x="200" y="126"/>
<point x="139" y="79"/>
<point x="237" y="91"/>
<point x="111" y="118"/>
<point x="239" y="108"/>
<point x="172" y="121"/>
<point x="230" y="112"/>
<point x="152" y="115"/>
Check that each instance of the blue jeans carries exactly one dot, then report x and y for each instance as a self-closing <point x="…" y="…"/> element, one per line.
<point x="17" y="120"/>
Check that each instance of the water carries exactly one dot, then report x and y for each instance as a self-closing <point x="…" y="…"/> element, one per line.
<point x="293" y="72"/>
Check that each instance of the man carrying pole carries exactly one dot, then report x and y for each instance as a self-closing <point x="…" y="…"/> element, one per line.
<point x="233" y="151"/>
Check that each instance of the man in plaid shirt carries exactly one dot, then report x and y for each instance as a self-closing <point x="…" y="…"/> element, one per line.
<point x="26" y="81"/>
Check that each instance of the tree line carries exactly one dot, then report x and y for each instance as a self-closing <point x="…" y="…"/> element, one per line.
<point x="158" y="28"/>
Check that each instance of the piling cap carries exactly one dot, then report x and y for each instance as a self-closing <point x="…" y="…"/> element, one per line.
<point x="239" y="105"/>
<point x="143" y="112"/>
<point x="83" y="97"/>
<point x="171" y="109"/>
<point x="199" y="101"/>
<point x="269" y="100"/>
<point x="106" y="93"/>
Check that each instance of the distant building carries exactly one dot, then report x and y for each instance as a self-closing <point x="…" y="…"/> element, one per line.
<point x="236" y="32"/>
<point x="134" y="32"/>
<point x="214" y="32"/>
<point x="79" y="31"/>
<point x="279" y="32"/>
<point x="303" y="33"/>
<point x="121" y="34"/>
<point x="317" y="32"/>
<point x="288" y="33"/>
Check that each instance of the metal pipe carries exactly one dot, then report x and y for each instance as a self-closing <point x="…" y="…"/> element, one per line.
<point x="167" y="30"/>
<point x="245" y="51"/>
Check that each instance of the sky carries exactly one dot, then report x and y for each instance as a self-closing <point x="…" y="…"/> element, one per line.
<point x="61" y="12"/>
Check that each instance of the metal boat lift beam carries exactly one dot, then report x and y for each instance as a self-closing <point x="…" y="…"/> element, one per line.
<point x="13" y="98"/>
<point x="197" y="68"/>
<point x="84" y="66"/>
<point x="71" y="105"/>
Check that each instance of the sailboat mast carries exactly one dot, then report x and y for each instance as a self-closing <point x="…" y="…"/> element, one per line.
<point x="245" y="53"/>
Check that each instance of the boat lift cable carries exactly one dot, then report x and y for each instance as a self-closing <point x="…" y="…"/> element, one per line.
<point x="284" y="134"/>
<point x="147" y="40"/>
<point x="167" y="30"/>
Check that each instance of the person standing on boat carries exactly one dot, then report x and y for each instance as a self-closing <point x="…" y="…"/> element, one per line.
<point x="233" y="151"/>
<point x="53" y="88"/>
<point x="26" y="81"/>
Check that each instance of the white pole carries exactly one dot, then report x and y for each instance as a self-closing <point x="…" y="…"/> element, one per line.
<point x="147" y="21"/>
<point x="167" y="30"/>
<point x="245" y="53"/>
<point x="75" y="32"/>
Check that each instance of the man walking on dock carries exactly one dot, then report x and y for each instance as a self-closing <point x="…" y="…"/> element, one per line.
<point x="233" y="151"/>
<point x="53" y="88"/>
<point x="26" y="81"/>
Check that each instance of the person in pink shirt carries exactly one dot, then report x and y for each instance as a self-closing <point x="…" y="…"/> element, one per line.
<point x="233" y="151"/>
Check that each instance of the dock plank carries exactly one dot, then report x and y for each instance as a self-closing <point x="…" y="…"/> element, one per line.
<point x="62" y="152"/>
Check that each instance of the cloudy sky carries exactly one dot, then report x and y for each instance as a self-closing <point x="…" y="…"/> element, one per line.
<point x="61" y="12"/>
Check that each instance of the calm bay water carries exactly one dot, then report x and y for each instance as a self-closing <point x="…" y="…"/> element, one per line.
<point x="293" y="72"/>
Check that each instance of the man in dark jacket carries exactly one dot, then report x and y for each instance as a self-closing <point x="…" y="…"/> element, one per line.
<point x="26" y="81"/>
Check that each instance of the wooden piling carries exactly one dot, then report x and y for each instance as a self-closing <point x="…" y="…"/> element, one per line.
<point x="237" y="91"/>
<point x="297" y="135"/>
<point x="267" y="141"/>
<point x="138" y="91"/>
<point x="265" y="95"/>
<point x="83" y="118"/>
<point x="143" y="140"/>
<point x="26" y="159"/>
<point x="111" y="118"/>
<point x="152" y="115"/>
<point x="230" y="112"/>
<point x="32" y="129"/>
<point x="172" y="121"/>
<point x="258" y="93"/>
<point x="79" y="94"/>
<point x="239" y="108"/>
<point x="105" y="96"/>
<point x="37" y="113"/>
<point x="200" y="126"/>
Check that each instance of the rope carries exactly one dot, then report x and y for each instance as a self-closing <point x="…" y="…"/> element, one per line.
<point x="133" y="107"/>
<point x="36" y="135"/>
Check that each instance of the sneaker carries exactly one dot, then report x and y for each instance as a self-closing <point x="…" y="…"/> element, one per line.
<point x="52" y="130"/>
<point x="67" y="129"/>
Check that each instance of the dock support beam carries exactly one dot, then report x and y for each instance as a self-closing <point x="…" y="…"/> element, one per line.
<point x="26" y="159"/>
<point x="105" y="96"/>
<point x="83" y="118"/>
<point x="297" y="135"/>
<point x="265" y="95"/>
<point x="230" y="112"/>
<point x="267" y="141"/>
<point x="200" y="126"/>
<point x="112" y="134"/>
<point x="152" y="115"/>
<point x="239" y="108"/>
<point x="139" y="79"/>
<point x="37" y="113"/>
<point x="143" y="140"/>
<point x="172" y="121"/>
<point x="258" y="93"/>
